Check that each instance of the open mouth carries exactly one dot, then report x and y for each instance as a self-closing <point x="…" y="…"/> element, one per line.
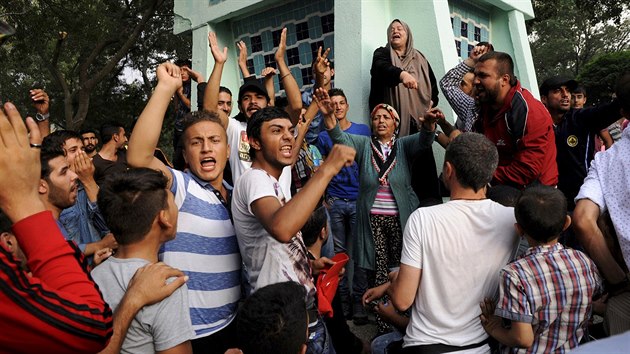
<point x="208" y="164"/>
<point x="286" y="150"/>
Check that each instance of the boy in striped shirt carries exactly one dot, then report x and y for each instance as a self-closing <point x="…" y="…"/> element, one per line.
<point x="547" y="293"/>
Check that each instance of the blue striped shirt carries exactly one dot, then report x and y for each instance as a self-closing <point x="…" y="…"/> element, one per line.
<point x="205" y="248"/>
<point x="552" y="288"/>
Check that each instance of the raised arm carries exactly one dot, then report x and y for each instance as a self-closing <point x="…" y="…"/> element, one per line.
<point x="268" y="73"/>
<point x="283" y="222"/>
<point x="242" y="59"/>
<point x="41" y="102"/>
<point x="59" y="290"/>
<point x="291" y="87"/>
<point x="149" y="125"/>
<point x="211" y="95"/>
<point x="321" y="65"/>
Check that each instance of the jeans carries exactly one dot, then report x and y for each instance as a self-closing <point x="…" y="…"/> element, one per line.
<point x="343" y="217"/>
<point x="319" y="339"/>
<point x="380" y="343"/>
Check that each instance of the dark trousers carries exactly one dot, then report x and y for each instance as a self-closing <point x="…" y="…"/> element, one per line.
<point x="216" y="343"/>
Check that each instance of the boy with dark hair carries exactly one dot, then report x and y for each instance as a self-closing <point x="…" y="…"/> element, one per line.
<point x="274" y="320"/>
<point x="268" y="224"/>
<point x="112" y="157"/>
<point x="142" y="215"/>
<point x="547" y="294"/>
<point x="90" y="141"/>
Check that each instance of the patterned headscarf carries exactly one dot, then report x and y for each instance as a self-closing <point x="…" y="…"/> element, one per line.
<point x="384" y="165"/>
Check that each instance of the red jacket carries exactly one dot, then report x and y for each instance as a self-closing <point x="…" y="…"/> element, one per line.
<point x="522" y="131"/>
<point x="57" y="310"/>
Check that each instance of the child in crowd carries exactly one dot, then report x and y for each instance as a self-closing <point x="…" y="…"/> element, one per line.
<point x="547" y="294"/>
<point x="142" y="215"/>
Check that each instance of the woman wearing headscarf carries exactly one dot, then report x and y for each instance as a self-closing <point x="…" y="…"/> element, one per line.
<point x="385" y="198"/>
<point x="402" y="78"/>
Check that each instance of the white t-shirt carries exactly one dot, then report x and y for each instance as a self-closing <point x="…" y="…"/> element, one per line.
<point x="460" y="246"/>
<point x="239" y="154"/>
<point x="267" y="260"/>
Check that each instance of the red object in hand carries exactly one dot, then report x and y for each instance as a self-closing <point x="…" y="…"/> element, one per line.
<point x="327" y="283"/>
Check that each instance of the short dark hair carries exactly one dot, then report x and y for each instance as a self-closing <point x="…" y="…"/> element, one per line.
<point x="505" y="64"/>
<point x="314" y="225"/>
<point x="337" y="92"/>
<point x="487" y="45"/>
<point x="192" y="118"/>
<point x="51" y="149"/>
<point x="579" y="89"/>
<point x="622" y="91"/>
<point x="273" y="320"/>
<point x="59" y="137"/>
<point x="225" y="89"/>
<point x="108" y="130"/>
<point x="184" y="62"/>
<point x="504" y="195"/>
<point x="5" y="223"/>
<point x="258" y="118"/>
<point x="474" y="159"/>
<point x="89" y="130"/>
<point x="130" y="200"/>
<point x="541" y="211"/>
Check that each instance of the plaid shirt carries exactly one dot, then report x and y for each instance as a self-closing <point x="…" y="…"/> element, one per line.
<point x="552" y="288"/>
<point x="463" y="105"/>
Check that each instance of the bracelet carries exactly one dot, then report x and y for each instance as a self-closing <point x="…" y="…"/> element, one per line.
<point x="285" y="75"/>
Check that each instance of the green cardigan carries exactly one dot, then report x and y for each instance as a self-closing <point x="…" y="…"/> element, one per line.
<point x="399" y="179"/>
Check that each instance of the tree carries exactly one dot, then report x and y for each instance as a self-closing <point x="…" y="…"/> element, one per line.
<point x="566" y="34"/>
<point x="79" y="50"/>
<point x="600" y="75"/>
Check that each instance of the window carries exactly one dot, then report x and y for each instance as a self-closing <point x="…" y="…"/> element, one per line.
<point x="293" y="56"/>
<point x="470" y="48"/>
<point x="307" y="76"/>
<point x="301" y="31"/>
<point x="464" y="29"/>
<point x="256" y="44"/>
<point x="275" y="35"/>
<point x="270" y="61"/>
<point x="458" y="45"/>
<point x="477" y="34"/>
<point x="328" y="23"/>
<point x="250" y="66"/>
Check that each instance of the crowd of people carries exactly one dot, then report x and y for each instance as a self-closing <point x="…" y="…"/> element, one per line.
<point x="239" y="245"/>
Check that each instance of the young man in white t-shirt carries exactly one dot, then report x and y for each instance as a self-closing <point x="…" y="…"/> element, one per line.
<point x="452" y="254"/>
<point x="268" y="224"/>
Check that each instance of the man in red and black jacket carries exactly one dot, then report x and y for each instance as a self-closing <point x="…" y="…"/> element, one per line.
<point x="56" y="308"/>
<point x="517" y="123"/>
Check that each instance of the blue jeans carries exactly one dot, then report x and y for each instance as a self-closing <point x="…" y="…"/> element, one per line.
<point x="380" y="343"/>
<point x="319" y="341"/>
<point x="343" y="217"/>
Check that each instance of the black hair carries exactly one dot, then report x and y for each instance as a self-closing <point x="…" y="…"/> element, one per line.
<point x="579" y="89"/>
<point x="130" y="201"/>
<point x="273" y="320"/>
<point x="59" y="137"/>
<point x="505" y="64"/>
<point x="314" y="225"/>
<point x="184" y="62"/>
<point x="622" y="91"/>
<point x="504" y="195"/>
<point x="487" y="45"/>
<point x="108" y="130"/>
<point x="474" y="159"/>
<point x="51" y="149"/>
<point x="541" y="211"/>
<point x="258" y="118"/>
<point x="281" y="102"/>
<point x="337" y="92"/>
<point x="225" y="89"/>
<point x="5" y="223"/>
<point x="192" y="118"/>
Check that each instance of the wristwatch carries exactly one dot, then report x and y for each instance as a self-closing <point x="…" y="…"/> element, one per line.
<point x="41" y="117"/>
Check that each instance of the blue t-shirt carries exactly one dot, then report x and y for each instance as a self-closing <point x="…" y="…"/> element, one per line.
<point x="346" y="183"/>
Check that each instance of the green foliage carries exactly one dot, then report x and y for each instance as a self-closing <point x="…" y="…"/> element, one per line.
<point x="600" y="75"/>
<point x="567" y="34"/>
<point x="85" y="73"/>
